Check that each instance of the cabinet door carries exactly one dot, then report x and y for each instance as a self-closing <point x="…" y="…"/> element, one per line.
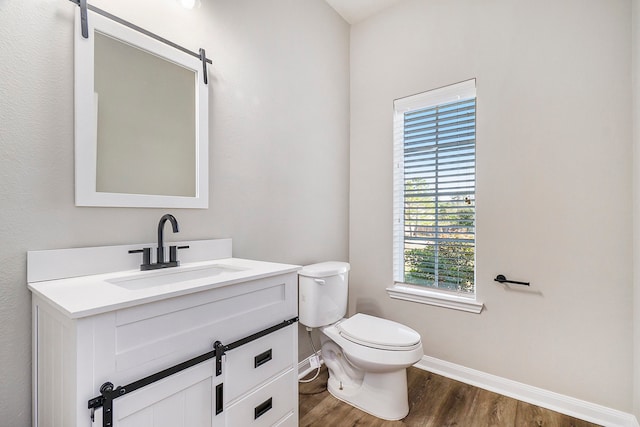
<point x="185" y="399"/>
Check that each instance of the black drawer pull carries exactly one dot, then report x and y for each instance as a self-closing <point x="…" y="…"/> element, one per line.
<point x="262" y="358"/>
<point x="219" y="398"/>
<point x="262" y="408"/>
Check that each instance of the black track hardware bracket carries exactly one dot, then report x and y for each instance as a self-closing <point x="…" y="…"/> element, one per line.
<point x="84" y="23"/>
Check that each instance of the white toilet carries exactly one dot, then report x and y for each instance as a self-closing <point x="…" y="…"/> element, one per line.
<point x="366" y="356"/>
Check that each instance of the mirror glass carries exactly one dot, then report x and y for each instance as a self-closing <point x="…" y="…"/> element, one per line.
<point x="146" y="121"/>
<point x="141" y="110"/>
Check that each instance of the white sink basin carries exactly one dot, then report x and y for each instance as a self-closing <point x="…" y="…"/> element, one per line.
<point x="172" y="275"/>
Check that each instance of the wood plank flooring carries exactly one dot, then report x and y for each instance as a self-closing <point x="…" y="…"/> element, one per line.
<point x="434" y="401"/>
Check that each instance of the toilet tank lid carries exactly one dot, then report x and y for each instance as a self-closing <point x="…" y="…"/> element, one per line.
<point x="324" y="269"/>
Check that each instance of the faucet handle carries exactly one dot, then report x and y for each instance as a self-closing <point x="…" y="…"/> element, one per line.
<point x="173" y="252"/>
<point x="146" y="255"/>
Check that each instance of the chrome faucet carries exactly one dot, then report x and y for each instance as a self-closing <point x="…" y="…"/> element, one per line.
<point x="160" y="259"/>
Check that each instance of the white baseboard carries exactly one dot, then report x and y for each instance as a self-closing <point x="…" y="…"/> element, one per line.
<point x="304" y="367"/>
<point x="573" y="407"/>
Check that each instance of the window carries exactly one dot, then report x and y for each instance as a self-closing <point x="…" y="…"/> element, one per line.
<point x="434" y="189"/>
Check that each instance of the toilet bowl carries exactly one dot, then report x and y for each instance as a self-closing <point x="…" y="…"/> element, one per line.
<point x="366" y="356"/>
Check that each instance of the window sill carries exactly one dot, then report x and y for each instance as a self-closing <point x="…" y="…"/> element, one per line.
<point x="444" y="299"/>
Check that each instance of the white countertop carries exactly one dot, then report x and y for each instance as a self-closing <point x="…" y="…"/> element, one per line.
<point x="99" y="293"/>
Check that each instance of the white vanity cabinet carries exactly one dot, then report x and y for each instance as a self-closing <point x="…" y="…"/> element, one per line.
<point x="257" y="386"/>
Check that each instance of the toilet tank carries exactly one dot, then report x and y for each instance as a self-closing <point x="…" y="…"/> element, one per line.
<point x="322" y="293"/>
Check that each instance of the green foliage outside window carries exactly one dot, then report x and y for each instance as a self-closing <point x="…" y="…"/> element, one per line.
<point x="455" y="267"/>
<point x="439" y="249"/>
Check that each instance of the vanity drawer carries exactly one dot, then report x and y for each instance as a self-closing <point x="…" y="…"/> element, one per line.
<point x="290" y="421"/>
<point x="255" y="362"/>
<point x="266" y="406"/>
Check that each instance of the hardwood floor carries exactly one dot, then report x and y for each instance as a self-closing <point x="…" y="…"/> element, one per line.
<point x="434" y="401"/>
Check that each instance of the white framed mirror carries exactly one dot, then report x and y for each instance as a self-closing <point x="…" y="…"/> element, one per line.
<point x="141" y="120"/>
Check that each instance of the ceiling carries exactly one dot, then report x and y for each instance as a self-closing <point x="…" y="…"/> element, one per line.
<point x="354" y="11"/>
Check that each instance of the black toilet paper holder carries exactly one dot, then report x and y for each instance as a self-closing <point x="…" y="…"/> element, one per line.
<point x="501" y="279"/>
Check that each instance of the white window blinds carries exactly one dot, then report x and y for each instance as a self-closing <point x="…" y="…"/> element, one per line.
<point x="434" y="188"/>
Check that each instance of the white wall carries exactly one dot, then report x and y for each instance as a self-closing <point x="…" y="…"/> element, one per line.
<point x="553" y="183"/>
<point x="279" y="90"/>
<point x="636" y="202"/>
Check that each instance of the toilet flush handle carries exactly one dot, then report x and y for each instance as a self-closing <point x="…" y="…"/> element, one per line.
<point x="319" y="281"/>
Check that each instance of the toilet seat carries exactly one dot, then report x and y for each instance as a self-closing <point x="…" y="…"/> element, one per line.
<point x="378" y="333"/>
